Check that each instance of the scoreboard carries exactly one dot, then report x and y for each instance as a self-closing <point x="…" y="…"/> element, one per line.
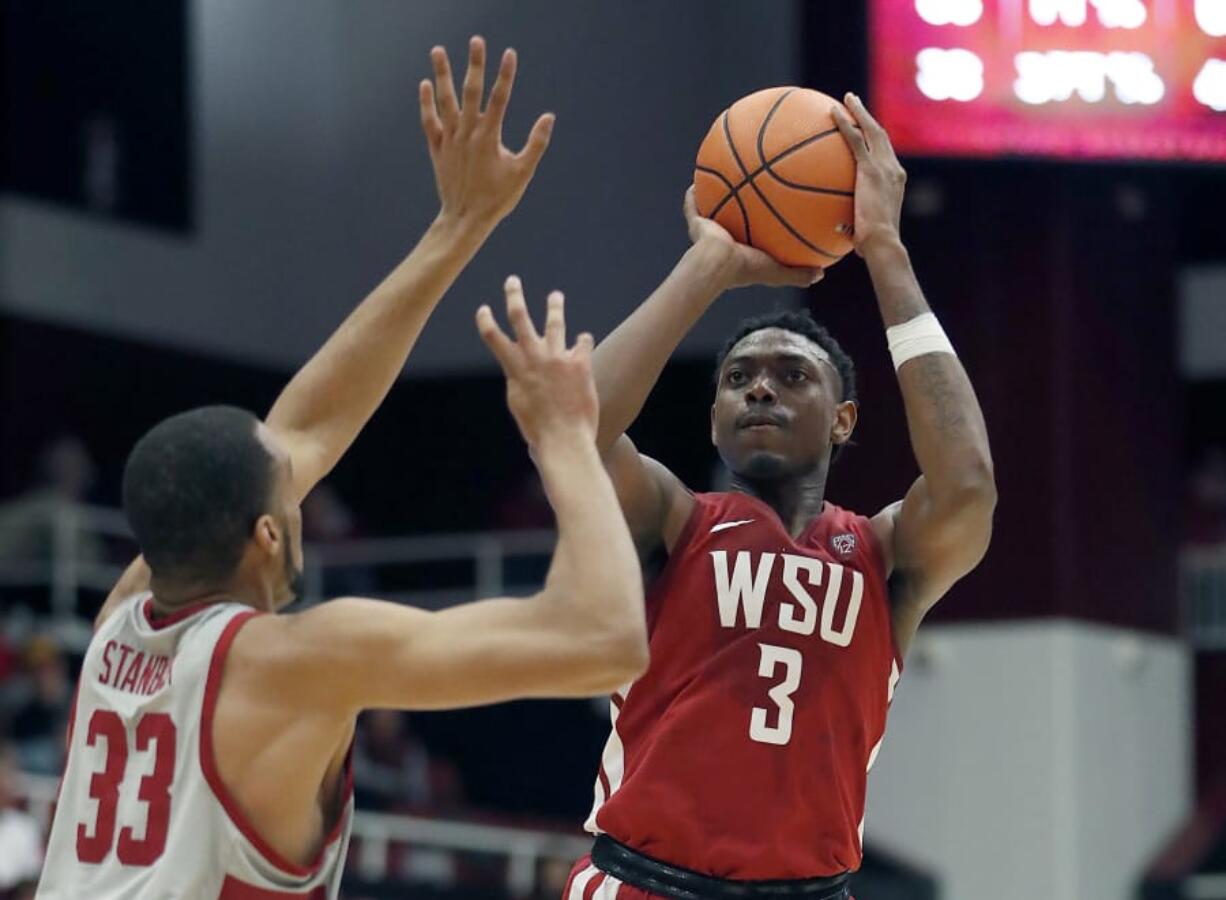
<point x="1093" y="79"/>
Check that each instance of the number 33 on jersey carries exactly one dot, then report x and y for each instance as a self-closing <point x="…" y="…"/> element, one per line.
<point x="142" y="811"/>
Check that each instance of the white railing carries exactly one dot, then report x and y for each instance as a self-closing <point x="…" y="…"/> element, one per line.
<point x="488" y="553"/>
<point x="1202" y="594"/>
<point x="75" y="585"/>
<point x="67" y="573"/>
<point x="376" y="834"/>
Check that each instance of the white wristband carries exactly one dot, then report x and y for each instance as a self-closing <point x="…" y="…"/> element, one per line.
<point x="915" y="337"/>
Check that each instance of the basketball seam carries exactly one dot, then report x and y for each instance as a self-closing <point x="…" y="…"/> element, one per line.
<point x="757" y="190"/>
<point x="767" y="163"/>
<point x="762" y="156"/>
<point x="732" y="194"/>
<point x="799" y="145"/>
<point x="741" y="165"/>
<point x="727" y="136"/>
<point x="747" y="177"/>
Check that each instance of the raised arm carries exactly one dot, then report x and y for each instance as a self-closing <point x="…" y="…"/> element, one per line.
<point x="479" y="181"/>
<point x="583" y="634"/>
<point x="325" y="406"/>
<point x="629" y="361"/>
<point x="940" y="531"/>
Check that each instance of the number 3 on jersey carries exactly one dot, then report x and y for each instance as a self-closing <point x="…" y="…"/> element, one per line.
<point x="772" y="658"/>
<point x="153" y="791"/>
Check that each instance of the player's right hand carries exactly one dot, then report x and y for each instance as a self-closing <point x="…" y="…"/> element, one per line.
<point x="479" y="180"/>
<point x="550" y="389"/>
<point x="739" y="264"/>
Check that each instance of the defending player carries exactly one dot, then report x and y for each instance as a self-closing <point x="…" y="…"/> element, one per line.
<point x="209" y="750"/>
<point x="779" y="622"/>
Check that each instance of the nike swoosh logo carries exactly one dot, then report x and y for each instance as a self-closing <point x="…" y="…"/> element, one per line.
<point x="722" y="526"/>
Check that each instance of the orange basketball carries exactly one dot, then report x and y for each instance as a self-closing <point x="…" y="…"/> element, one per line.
<point x="777" y="174"/>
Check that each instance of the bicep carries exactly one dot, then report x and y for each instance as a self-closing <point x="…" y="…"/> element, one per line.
<point x="933" y="546"/>
<point x="354" y="654"/>
<point x="654" y="501"/>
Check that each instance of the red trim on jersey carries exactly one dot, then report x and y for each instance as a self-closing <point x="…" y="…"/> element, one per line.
<point x="618" y="700"/>
<point x="157" y="623"/>
<point x="72" y="714"/>
<point x="208" y="765"/>
<point x="596" y="881"/>
<point x="604" y="781"/>
<point x="72" y="725"/>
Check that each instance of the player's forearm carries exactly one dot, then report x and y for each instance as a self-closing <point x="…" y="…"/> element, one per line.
<point x="328" y="402"/>
<point x="629" y="361"/>
<point x="595" y="573"/>
<point x="946" y="425"/>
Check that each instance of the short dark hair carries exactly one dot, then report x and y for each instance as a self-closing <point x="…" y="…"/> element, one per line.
<point x="193" y="488"/>
<point x="799" y="322"/>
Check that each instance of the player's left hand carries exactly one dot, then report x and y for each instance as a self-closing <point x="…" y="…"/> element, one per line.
<point x="880" y="178"/>
<point x="479" y="180"/>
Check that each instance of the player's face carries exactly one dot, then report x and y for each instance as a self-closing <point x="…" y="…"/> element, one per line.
<point x="777" y="406"/>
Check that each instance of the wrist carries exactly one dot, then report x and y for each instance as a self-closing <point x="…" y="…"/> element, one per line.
<point x="566" y="438"/>
<point x="883" y="248"/>
<point x="460" y="230"/>
<point x="710" y="264"/>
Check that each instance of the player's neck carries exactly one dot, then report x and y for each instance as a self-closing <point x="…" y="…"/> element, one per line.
<point x="797" y="500"/>
<point x="169" y="596"/>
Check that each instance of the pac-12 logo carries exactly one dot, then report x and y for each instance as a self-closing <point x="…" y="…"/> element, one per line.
<point x="844" y="544"/>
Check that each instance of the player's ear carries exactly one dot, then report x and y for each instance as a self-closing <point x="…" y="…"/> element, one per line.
<point x="845" y="416"/>
<point x="267" y="535"/>
<point x="713" y="424"/>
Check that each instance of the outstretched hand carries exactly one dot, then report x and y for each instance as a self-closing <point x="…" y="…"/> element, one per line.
<point x="479" y="180"/>
<point x="741" y="264"/>
<point x="550" y="389"/>
<point x="880" y="178"/>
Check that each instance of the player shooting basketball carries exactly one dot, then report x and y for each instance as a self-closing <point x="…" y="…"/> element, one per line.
<point x="209" y="755"/>
<point x="779" y="624"/>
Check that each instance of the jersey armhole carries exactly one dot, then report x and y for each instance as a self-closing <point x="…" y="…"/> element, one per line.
<point x="864" y="525"/>
<point x="685" y="536"/>
<point x="208" y="765"/>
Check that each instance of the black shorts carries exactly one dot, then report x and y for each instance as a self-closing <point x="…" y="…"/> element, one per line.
<point x="632" y="876"/>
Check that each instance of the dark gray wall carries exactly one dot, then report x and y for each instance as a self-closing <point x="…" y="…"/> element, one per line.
<point x="312" y="178"/>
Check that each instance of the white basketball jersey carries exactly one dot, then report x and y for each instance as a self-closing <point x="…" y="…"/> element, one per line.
<point x="142" y="813"/>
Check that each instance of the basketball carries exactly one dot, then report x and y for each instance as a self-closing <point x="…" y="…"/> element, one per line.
<point x="777" y="174"/>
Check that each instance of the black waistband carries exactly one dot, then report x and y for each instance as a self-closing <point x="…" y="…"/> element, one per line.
<point x="658" y="877"/>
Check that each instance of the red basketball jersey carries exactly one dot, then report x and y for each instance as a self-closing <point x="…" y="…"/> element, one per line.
<point x="743" y="751"/>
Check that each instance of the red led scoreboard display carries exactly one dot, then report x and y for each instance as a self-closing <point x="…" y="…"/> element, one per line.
<point x="1069" y="78"/>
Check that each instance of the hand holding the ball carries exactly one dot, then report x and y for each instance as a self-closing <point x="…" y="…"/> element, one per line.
<point x="880" y="178"/>
<point x="479" y="180"/>
<point x="737" y="264"/>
